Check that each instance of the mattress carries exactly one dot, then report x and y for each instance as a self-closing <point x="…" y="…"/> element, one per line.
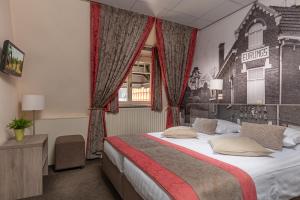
<point x="115" y="157"/>
<point x="275" y="178"/>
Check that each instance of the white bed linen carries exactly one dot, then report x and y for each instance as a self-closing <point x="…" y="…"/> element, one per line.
<point x="115" y="157"/>
<point x="275" y="178"/>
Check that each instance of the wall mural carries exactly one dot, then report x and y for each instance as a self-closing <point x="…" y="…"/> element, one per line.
<point x="261" y="72"/>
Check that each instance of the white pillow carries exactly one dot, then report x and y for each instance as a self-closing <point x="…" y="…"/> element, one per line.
<point x="291" y="137"/>
<point x="180" y="132"/>
<point x="224" y="126"/>
<point x="205" y="125"/>
<point x="238" y="146"/>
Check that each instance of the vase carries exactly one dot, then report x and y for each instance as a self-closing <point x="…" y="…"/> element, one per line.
<point x="19" y="133"/>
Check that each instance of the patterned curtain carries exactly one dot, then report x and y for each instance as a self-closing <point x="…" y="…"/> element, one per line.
<point x="156" y="82"/>
<point x="117" y="37"/>
<point x="176" y="46"/>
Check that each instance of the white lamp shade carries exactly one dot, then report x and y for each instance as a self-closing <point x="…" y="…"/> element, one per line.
<point x="216" y="84"/>
<point x="33" y="102"/>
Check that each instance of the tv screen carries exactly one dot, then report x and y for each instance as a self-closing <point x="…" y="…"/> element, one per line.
<point x="12" y="59"/>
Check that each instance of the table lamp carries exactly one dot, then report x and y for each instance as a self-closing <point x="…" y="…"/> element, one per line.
<point x="33" y="103"/>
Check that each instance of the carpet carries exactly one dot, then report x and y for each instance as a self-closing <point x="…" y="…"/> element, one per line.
<point x="78" y="184"/>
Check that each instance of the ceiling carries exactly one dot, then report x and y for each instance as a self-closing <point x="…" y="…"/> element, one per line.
<point x="195" y="13"/>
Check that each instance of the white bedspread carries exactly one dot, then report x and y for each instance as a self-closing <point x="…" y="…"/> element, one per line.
<point x="275" y="178"/>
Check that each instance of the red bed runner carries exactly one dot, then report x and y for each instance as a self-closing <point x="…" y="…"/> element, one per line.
<point x="176" y="187"/>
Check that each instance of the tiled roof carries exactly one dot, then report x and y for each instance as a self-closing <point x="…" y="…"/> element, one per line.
<point x="290" y="21"/>
<point x="262" y="7"/>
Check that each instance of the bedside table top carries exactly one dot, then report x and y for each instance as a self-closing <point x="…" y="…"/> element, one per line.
<point x="29" y="141"/>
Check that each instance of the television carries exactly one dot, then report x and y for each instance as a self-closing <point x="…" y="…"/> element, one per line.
<point x="12" y="59"/>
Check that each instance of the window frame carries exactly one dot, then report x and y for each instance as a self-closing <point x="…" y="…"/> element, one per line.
<point x="251" y="36"/>
<point x="255" y="80"/>
<point x="129" y="103"/>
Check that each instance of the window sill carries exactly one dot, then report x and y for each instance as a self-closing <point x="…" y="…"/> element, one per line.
<point x="134" y="104"/>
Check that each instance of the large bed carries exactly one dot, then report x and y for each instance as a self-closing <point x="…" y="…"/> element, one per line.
<point x="276" y="177"/>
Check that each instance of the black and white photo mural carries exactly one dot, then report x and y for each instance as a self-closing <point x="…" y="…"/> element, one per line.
<point x="256" y="52"/>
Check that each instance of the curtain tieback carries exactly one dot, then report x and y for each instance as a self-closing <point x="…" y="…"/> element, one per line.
<point x="173" y="108"/>
<point x="173" y="116"/>
<point x="98" y="108"/>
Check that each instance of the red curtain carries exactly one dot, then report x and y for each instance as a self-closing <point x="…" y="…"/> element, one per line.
<point x="94" y="46"/>
<point x="117" y="38"/>
<point x="175" y="40"/>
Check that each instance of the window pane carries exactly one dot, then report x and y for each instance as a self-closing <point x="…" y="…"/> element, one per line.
<point x="255" y="36"/>
<point x="137" y="85"/>
<point x="141" y="92"/>
<point x="141" y="82"/>
<point x="256" y="86"/>
<point x="123" y="93"/>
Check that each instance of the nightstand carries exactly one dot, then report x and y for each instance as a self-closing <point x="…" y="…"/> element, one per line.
<point x="22" y="167"/>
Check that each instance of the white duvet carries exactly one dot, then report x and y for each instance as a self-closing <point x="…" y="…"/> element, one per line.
<point x="275" y="178"/>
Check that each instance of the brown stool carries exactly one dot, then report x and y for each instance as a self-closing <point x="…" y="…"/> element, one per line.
<point x="69" y="152"/>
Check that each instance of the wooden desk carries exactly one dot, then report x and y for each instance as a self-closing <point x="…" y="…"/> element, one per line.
<point x="22" y="166"/>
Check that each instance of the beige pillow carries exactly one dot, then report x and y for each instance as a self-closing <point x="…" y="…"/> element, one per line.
<point x="204" y="125"/>
<point x="269" y="136"/>
<point x="238" y="146"/>
<point x="180" y="132"/>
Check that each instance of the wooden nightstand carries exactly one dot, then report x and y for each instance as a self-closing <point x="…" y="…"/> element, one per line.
<point x="22" y="166"/>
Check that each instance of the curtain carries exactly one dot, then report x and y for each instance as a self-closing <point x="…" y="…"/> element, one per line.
<point x="113" y="106"/>
<point x="117" y="37"/>
<point x="176" y="46"/>
<point x="156" y="82"/>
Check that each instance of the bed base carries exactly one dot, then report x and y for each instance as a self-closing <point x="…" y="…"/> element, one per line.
<point x="121" y="183"/>
<point x="118" y="180"/>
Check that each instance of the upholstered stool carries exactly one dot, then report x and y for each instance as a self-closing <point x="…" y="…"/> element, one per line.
<point x="69" y="152"/>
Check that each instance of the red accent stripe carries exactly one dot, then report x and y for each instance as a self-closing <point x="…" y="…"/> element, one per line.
<point x="94" y="43"/>
<point x="246" y="182"/>
<point x="176" y="187"/>
<point x="152" y="89"/>
<point x="190" y="58"/>
<point x="94" y="48"/>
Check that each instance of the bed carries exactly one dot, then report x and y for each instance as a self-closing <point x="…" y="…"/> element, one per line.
<point x="275" y="178"/>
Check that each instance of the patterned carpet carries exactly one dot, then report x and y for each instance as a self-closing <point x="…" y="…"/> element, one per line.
<point x="78" y="184"/>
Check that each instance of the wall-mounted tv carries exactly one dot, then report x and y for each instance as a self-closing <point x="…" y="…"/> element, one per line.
<point x="12" y="59"/>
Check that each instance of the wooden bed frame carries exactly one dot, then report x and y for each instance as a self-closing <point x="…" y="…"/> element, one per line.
<point x="120" y="182"/>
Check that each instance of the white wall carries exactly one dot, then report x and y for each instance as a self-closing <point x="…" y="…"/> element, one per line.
<point x="8" y="88"/>
<point x="55" y="37"/>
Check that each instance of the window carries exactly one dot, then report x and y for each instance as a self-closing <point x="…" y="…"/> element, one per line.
<point x="255" y="36"/>
<point x="136" y="88"/>
<point x="256" y="86"/>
